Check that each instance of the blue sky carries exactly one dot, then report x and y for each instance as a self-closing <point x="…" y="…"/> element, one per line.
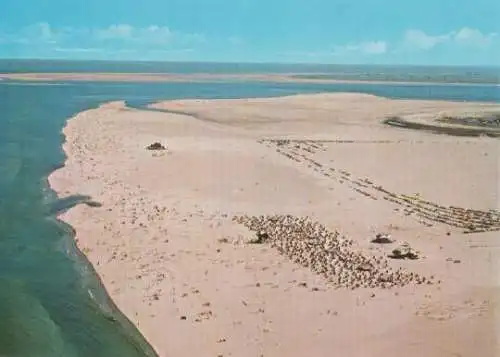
<point x="316" y="31"/>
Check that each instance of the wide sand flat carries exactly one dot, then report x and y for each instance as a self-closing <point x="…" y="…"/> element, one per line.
<point x="209" y="77"/>
<point x="171" y="257"/>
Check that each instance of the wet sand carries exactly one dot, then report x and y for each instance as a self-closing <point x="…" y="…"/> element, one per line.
<point x="175" y="238"/>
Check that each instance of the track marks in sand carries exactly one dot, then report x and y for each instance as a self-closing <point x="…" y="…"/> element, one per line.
<point x="439" y="311"/>
<point x="428" y="213"/>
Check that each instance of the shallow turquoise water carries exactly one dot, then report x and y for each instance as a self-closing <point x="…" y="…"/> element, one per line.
<point x="51" y="303"/>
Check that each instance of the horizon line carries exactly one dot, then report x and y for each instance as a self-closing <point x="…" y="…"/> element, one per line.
<point x="492" y="66"/>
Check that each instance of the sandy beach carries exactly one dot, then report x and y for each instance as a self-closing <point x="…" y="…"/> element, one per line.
<point x="252" y="233"/>
<point x="313" y="78"/>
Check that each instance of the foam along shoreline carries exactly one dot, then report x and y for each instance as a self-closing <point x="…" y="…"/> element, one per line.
<point x="208" y="77"/>
<point x="195" y="281"/>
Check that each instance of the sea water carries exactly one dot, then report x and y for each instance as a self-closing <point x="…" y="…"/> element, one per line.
<point x="51" y="301"/>
<point x="438" y="74"/>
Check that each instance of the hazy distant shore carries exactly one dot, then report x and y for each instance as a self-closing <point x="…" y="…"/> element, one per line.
<point x="204" y="77"/>
<point x="482" y="123"/>
<point x="196" y="282"/>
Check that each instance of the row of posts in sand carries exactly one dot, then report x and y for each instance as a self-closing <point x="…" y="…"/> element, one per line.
<point x="428" y="213"/>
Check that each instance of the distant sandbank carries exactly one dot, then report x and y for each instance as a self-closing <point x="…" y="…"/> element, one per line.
<point x="204" y="77"/>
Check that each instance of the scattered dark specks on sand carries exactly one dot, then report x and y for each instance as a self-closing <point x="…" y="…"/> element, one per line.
<point x="155" y="146"/>
<point x="382" y="238"/>
<point x="327" y="253"/>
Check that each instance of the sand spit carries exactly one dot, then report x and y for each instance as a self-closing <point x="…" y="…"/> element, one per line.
<point x="268" y="227"/>
<point x="483" y="123"/>
<point x="204" y="77"/>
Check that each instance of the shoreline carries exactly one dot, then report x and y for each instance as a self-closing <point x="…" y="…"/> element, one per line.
<point x="207" y="77"/>
<point x="98" y="289"/>
<point x="167" y="252"/>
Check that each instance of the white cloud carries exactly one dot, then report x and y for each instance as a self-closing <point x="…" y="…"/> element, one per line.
<point x="45" y="32"/>
<point x="123" y="34"/>
<point x="39" y="33"/>
<point x="160" y="39"/>
<point x="475" y="37"/>
<point x="113" y="32"/>
<point x="153" y="34"/>
<point x="376" y="47"/>
<point x="368" y="48"/>
<point x="413" y="40"/>
<point x="153" y="41"/>
<point x="419" y="40"/>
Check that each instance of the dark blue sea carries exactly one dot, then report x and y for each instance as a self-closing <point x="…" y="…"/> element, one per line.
<point x="51" y="302"/>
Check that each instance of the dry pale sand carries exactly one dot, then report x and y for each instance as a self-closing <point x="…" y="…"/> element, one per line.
<point x="171" y="257"/>
<point x="203" y="77"/>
